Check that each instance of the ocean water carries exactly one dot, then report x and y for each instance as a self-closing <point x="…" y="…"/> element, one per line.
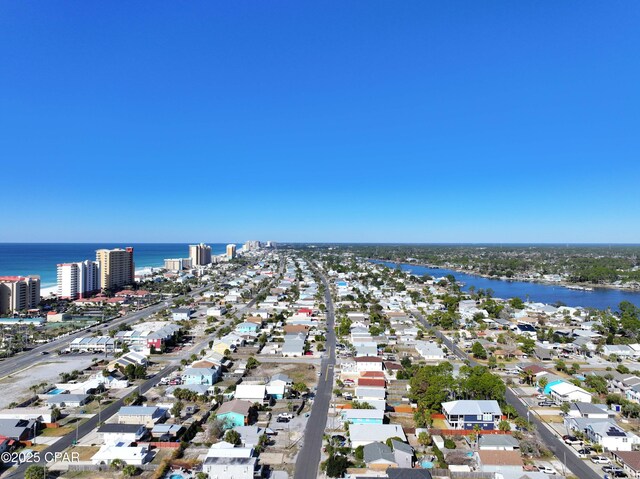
<point x="599" y="298"/>
<point x="42" y="258"/>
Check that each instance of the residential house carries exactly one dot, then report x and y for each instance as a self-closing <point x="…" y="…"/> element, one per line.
<point x="146" y="415"/>
<point x="610" y="436"/>
<point x="430" y="351"/>
<point x="278" y="385"/>
<point x="379" y="457"/>
<point x="18" y="429"/>
<point x="499" y="461"/>
<point x="181" y="314"/>
<point x="113" y="433"/>
<point x="466" y="414"/>
<point x="234" y="413"/>
<point x="630" y="462"/>
<point x="230" y="467"/>
<point x="363" y="434"/>
<point x="206" y="376"/>
<point x="251" y="392"/>
<point x="498" y="442"/>
<point x="363" y="416"/>
<point x="588" y="410"/>
<point x="567" y="392"/>
<point x="368" y="363"/>
<point x="130" y="455"/>
<point x="66" y="400"/>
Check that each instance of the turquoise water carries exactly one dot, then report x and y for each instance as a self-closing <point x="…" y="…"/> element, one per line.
<point x="56" y="391"/>
<point x="599" y="298"/>
<point x="427" y="464"/>
<point x="42" y="258"/>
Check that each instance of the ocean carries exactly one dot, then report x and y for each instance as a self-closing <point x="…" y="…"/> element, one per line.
<point x="42" y="258"/>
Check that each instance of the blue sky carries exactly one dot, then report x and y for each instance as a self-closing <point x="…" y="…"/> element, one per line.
<point x="327" y="121"/>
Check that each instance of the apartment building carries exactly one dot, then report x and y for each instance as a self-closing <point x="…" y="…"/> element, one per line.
<point x="18" y="293"/>
<point x="200" y="254"/>
<point x="231" y="251"/>
<point x="78" y="280"/>
<point x="116" y="267"/>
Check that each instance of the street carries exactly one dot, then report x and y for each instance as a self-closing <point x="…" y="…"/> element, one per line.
<point x="308" y="458"/>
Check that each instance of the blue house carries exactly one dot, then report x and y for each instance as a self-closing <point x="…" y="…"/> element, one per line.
<point x="470" y="413"/>
<point x="246" y="328"/>
<point x="234" y="413"/>
<point x="200" y="376"/>
<point x="547" y="388"/>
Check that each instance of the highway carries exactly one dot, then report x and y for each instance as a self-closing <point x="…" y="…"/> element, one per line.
<point x="562" y="451"/>
<point x="308" y="458"/>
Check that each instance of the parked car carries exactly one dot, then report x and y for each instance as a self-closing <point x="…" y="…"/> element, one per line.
<point x="611" y="469"/>
<point x="541" y="397"/>
<point x="585" y="451"/>
<point x="571" y="440"/>
<point x="282" y="419"/>
<point x="547" y="470"/>
<point x="286" y="415"/>
<point x="600" y="460"/>
<point x="546" y="404"/>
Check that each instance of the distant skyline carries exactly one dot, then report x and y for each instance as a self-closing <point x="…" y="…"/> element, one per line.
<point x="412" y="122"/>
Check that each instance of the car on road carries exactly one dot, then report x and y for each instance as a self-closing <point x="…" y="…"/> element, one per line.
<point x="548" y="470"/>
<point x="600" y="460"/>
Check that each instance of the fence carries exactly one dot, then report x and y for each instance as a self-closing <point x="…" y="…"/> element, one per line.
<point x="460" y="475"/>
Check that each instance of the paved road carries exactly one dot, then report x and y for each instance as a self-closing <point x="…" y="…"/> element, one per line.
<point x="562" y="451"/>
<point x="309" y="456"/>
<point x="66" y="441"/>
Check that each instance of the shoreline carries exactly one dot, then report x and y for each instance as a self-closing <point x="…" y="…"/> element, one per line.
<point x="563" y="284"/>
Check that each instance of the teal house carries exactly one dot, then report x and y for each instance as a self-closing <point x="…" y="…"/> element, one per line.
<point x="234" y="413"/>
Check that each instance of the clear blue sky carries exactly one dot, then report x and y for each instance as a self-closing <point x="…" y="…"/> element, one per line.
<point x="475" y="121"/>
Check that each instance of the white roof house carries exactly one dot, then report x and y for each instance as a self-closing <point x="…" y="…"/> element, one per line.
<point x="251" y="392"/>
<point x="430" y="351"/>
<point x="136" y="455"/>
<point x="363" y="434"/>
<point x="567" y="392"/>
<point x="363" y="394"/>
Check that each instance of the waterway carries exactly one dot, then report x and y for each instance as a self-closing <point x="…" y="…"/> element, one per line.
<point x="600" y="298"/>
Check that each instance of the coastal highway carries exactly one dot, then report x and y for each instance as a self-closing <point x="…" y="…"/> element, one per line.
<point x="308" y="458"/>
<point x="563" y="452"/>
<point x="27" y="359"/>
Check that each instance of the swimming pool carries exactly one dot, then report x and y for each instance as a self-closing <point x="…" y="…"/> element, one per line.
<point x="426" y="465"/>
<point x="56" y="391"/>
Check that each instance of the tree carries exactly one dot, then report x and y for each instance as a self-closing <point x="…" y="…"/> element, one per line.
<point x="424" y="439"/>
<point x="130" y="470"/>
<point x="233" y="437"/>
<point x="504" y="425"/>
<point x="478" y="351"/>
<point x="565" y="407"/>
<point x="336" y="466"/>
<point x="252" y="363"/>
<point x="516" y="303"/>
<point x="359" y="453"/>
<point x="542" y="382"/>
<point x="35" y="472"/>
<point x="176" y="410"/>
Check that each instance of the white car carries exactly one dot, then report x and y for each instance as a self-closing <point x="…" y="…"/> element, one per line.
<point x="286" y="415"/>
<point x="541" y="397"/>
<point x="600" y="460"/>
<point x="547" y="470"/>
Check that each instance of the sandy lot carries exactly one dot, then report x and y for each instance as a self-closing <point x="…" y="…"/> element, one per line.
<point x="16" y="387"/>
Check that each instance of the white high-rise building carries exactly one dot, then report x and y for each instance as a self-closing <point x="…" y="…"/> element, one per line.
<point x="251" y="245"/>
<point x="78" y="280"/>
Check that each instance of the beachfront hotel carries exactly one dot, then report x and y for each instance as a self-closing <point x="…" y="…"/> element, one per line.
<point x="18" y="293"/>
<point x="116" y="267"/>
<point x="200" y="254"/>
<point x="78" y="280"/>
<point x="231" y="251"/>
